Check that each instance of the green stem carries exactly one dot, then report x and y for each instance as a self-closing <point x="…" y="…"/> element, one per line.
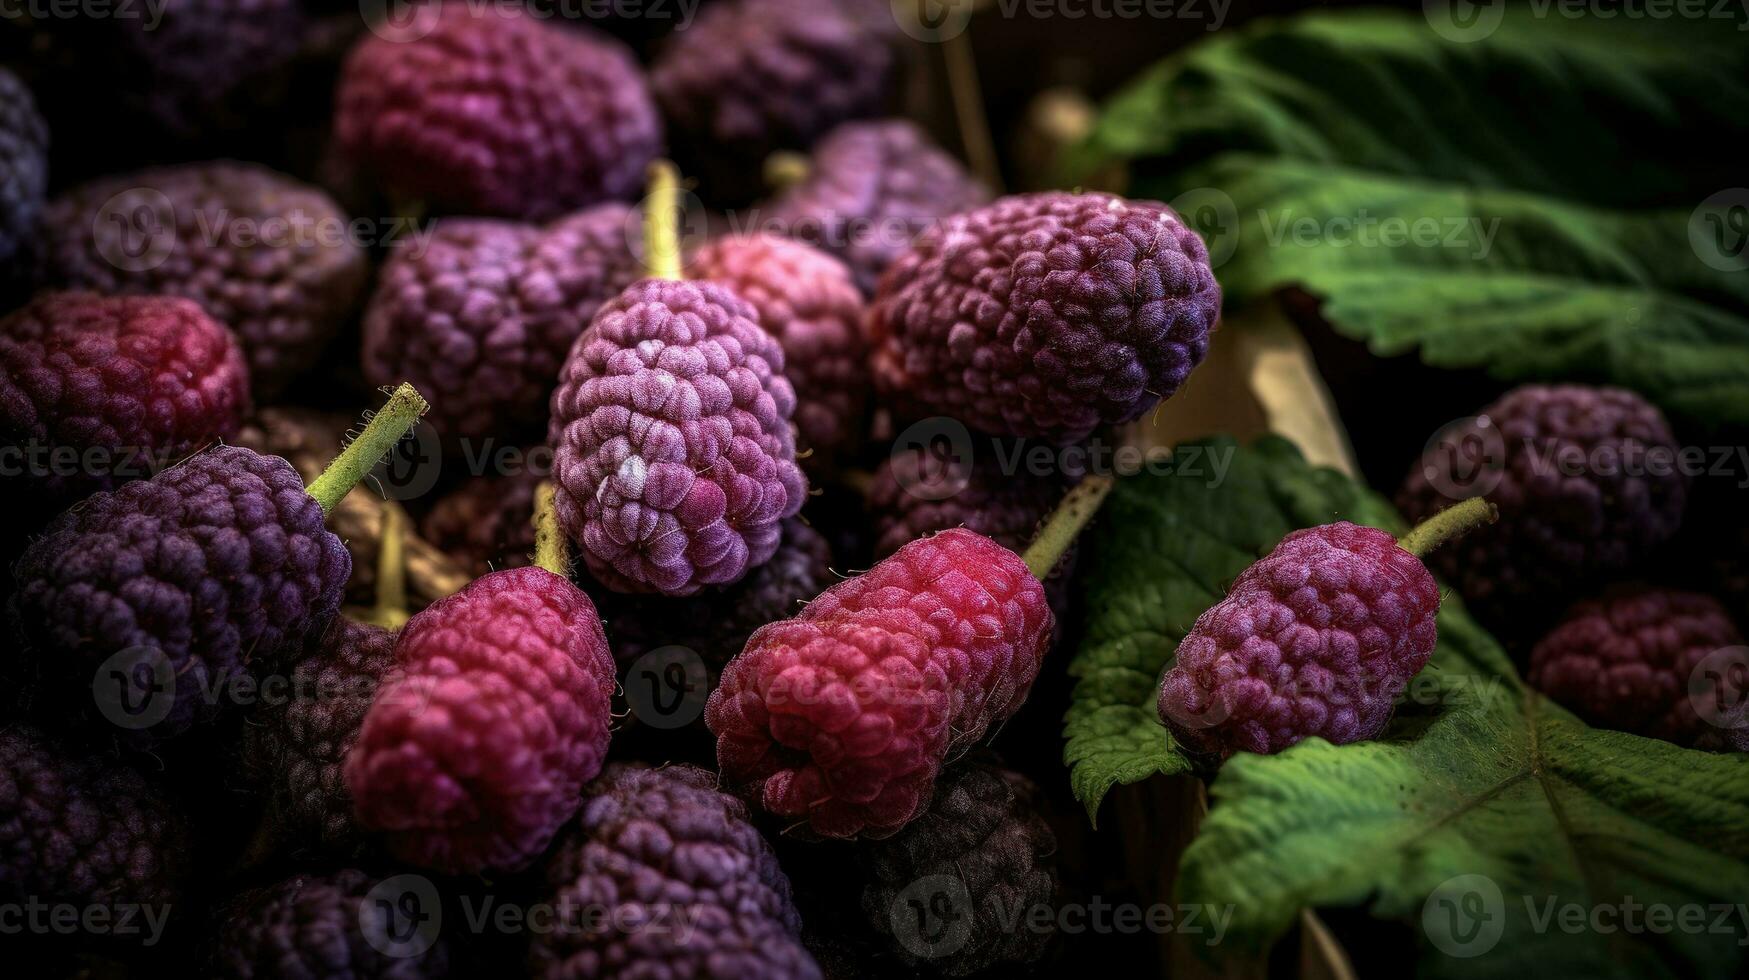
<point x="391" y="606"/>
<point x="662" y="222"/>
<point x="549" y="541"/>
<point x="384" y="430"/>
<point x="1447" y="524"/>
<point x="1077" y="508"/>
<point x="786" y="168"/>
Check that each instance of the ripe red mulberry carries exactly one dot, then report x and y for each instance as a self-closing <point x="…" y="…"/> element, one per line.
<point x="487" y="110"/>
<point x="84" y="830"/>
<point x="295" y="746"/>
<point x="1045" y="315"/>
<point x="673" y="454"/>
<point x="844" y="715"/>
<point x="263" y="254"/>
<point x="982" y="850"/>
<point x="752" y="76"/>
<point x="806" y="300"/>
<point x="1627" y="661"/>
<point x="871" y="188"/>
<point x="1318" y="638"/>
<point x="315" y="925"/>
<point x="1575" y="472"/>
<point x="128" y="384"/>
<point x="475" y="751"/>
<point x="24" y="162"/>
<point x="206" y="569"/>
<point x="694" y="889"/>
<point x="482" y="318"/>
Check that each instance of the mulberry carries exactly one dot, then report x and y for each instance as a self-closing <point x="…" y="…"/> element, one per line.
<point x="24" y="162"/>
<point x="263" y="254"/>
<point x="474" y="752"/>
<point x="694" y="889"/>
<point x="1045" y="315"/>
<point x="128" y="385"/>
<point x="321" y="925"/>
<point x="487" y="110"/>
<point x="806" y="300"/>
<point x="673" y="453"/>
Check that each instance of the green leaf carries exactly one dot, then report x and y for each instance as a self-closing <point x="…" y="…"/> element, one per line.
<point x="1542" y="184"/>
<point x="1482" y="800"/>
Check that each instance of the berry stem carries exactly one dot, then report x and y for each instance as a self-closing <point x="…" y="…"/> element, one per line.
<point x="662" y="222"/>
<point x="391" y="604"/>
<point x="549" y="542"/>
<point x="1448" y="524"/>
<point x="786" y="168"/>
<point x="1077" y="508"/>
<point x="385" y="429"/>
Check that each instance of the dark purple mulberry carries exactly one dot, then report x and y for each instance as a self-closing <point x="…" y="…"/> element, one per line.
<point x="871" y="188"/>
<point x="695" y="891"/>
<point x="323" y="927"/>
<point x="481" y="319"/>
<point x="24" y="163"/>
<point x="483" y="109"/>
<point x="263" y="254"/>
<point x="806" y="300"/>
<point x="752" y="76"/>
<point x="1315" y="639"/>
<point x="1633" y="659"/>
<point x="85" y="830"/>
<point x="1045" y="315"/>
<point x="672" y="449"/>
<point x="1587" y="485"/>
<point x="128" y="384"/>
<point x="978" y="862"/>
<point x="487" y="523"/>
<point x="209" y="568"/>
<point x="295" y="745"/>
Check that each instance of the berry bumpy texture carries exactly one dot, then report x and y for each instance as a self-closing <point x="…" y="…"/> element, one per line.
<point x="213" y="567"/>
<point x="1045" y="315"/>
<point x="1567" y="465"/>
<point x="871" y="188"/>
<point x="481" y="315"/>
<point x="983" y="833"/>
<point x="314" y="925"/>
<point x="487" y="110"/>
<point x="672" y="449"/>
<point x="24" y="162"/>
<point x="475" y="750"/>
<point x="83" y="830"/>
<point x="695" y="890"/>
<point x="844" y="715"/>
<point x="1627" y="660"/>
<point x="260" y="252"/>
<point x="294" y="747"/>
<point x="806" y="300"/>
<point x="1315" y="639"/>
<point x="752" y="76"/>
<point x="140" y="381"/>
